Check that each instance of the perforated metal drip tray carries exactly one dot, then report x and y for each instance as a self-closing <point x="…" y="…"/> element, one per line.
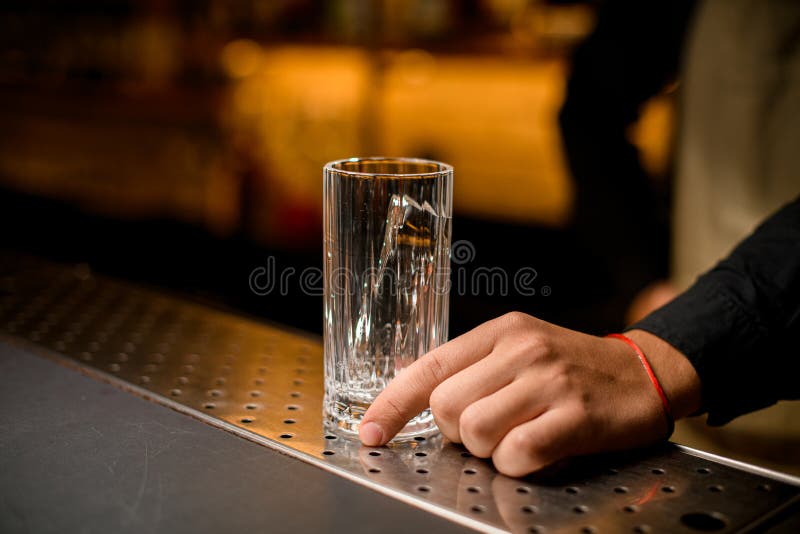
<point x="265" y="383"/>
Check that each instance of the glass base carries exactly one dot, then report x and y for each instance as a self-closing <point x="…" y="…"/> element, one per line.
<point x="344" y="419"/>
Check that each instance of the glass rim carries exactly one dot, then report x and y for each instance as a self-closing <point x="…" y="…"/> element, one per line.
<point x="444" y="168"/>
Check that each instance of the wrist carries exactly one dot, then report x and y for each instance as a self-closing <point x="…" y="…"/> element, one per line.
<point x="677" y="375"/>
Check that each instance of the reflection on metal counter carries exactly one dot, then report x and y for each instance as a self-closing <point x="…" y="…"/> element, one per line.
<point x="264" y="383"/>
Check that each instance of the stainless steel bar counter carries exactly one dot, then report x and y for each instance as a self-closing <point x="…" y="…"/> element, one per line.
<point x="124" y="409"/>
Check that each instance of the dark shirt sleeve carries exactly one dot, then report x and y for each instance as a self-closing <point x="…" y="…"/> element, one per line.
<point x="739" y="324"/>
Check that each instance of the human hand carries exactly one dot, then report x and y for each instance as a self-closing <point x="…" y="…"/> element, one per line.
<point x="528" y="393"/>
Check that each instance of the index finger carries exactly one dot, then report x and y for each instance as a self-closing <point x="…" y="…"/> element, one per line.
<point x="410" y="391"/>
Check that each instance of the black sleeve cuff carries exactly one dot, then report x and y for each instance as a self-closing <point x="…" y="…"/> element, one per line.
<point x="719" y="336"/>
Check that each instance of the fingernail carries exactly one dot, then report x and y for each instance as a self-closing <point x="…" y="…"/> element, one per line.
<point x="371" y="434"/>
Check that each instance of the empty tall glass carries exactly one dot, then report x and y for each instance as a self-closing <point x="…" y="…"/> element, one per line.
<point x="387" y="278"/>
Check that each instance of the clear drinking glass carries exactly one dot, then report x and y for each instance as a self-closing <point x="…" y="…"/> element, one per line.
<point x="387" y="228"/>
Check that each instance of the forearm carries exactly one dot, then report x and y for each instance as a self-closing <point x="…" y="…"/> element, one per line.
<point x="738" y="324"/>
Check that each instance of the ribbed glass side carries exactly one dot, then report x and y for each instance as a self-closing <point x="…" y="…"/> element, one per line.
<point x="387" y="267"/>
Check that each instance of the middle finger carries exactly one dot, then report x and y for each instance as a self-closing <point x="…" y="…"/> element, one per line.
<point x="479" y="380"/>
<point x="484" y="423"/>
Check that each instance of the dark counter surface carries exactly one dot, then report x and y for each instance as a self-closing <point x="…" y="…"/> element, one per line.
<point x="78" y="455"/>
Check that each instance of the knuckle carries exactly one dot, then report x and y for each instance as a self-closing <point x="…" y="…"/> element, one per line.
<point x="443" y="408"/>
<point x="536" y="350"/>
<point x="545" y="343"/>
<point x="541" y="346"/>
<point x="515" y="318"/>
<point x="535" y="447"/>
<point x="476" y="432"/>
<point x="512" y="468"/>
<point x="472" y="422"/>
<point x="448" y="431"/>
<point x="511" y="463"/>
<point x="521" y="441"/>
<point x="561" y="380"/>
<point x="503" y="465"/>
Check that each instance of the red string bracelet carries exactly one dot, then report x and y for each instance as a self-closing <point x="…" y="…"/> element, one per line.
<point x="653" y="379"/>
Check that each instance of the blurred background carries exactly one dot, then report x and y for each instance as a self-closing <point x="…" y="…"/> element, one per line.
<point x="181" y="143"/>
